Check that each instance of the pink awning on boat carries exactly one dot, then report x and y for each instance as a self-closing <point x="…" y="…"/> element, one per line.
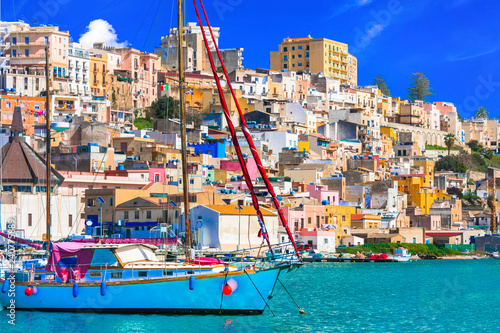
<point x="150" y="241"/>
<point x="69" y="249"/>
<point x="22" y="241"/>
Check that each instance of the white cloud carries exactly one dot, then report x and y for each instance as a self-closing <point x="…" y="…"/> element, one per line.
<point x="100" y="31"/>
<point x="348" y="5"/>
<point x="363" y="2"/>
<point x="472" y="56"/>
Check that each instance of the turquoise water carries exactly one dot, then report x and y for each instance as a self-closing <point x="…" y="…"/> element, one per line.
<point x="423" y="296"/>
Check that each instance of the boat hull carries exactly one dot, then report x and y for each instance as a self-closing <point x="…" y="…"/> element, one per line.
<point x="400" y="258"/>
<point x="249" y="295"/>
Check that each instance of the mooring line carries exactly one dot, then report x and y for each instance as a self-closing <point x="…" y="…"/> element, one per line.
<point x="260" y="294"/>
<point x="300" y="309"/>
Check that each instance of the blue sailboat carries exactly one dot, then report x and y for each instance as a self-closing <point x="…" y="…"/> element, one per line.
<point x="82" y="277"/>
<point x="120" y="278"/>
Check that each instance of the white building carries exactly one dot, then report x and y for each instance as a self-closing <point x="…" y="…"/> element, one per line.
<point x="78" y="69"/>
<point x="27" y="211"/>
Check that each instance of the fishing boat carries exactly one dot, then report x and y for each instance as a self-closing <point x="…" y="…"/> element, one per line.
<point x="128" y="277"/>
<point x="401" y="254"/>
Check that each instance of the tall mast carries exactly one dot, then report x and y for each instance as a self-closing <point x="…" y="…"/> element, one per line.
<point x="183" y="126"/>
<point x="47" y="129"/>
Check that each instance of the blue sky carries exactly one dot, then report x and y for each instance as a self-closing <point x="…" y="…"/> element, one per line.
<point x="454" y="42"/>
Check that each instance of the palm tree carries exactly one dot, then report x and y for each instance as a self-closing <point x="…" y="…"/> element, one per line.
<point x="482" y="112"/>
<point x="449" y="140"/>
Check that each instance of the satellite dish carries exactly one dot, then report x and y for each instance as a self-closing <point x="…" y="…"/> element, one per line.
<point x="88" y="223"/>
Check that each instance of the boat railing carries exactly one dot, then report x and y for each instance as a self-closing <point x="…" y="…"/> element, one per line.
<point x="281" y="252"/>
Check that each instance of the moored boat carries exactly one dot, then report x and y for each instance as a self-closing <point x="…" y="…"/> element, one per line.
<point x="129" y="278"/>
<point x="401" y="254"/>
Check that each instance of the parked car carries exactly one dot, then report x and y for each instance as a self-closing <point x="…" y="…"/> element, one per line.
<point x="341" y="246"/>
<point x="305" y="247"/>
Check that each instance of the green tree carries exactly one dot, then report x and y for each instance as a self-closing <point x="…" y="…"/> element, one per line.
<point x="450" y="163"/>
<point x="488" y="154"/>
<point x="420" y="88"/>
<point x="482" y="112"/>
<point x="459" y="117"/>
<point x="381" y="82"/>
<point x="164" y="107"/>
<point x="449" y="140"/>
<point x="475" y="146"/>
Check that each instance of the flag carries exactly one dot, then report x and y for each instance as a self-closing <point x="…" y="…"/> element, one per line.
<point x="190" y="92"/>
<point x="164" y="87"/>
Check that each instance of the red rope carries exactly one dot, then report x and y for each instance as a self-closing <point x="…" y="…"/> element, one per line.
<point x="248" y="137"/>
<point x="246" y="174"/>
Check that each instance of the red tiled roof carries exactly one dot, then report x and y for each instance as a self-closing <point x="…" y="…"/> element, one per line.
<point x="410" y="175"/>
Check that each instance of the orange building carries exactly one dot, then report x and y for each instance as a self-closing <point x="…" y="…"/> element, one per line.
<point x="32" y="109"/>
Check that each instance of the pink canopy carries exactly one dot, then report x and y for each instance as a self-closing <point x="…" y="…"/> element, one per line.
<point x="69" y="249"/>
<point x="150" y="241"/>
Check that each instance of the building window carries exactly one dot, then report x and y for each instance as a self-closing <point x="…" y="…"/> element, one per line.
<point x="27" y="53"/>
<point x="14" y="41"/>
<point x="110" y="200"/>
<point x="191" y="181"/>
<point x="136" y="214"/>
<point x="14" y="53"/>
<point x="309" y="221"/>
<point x="46" y="40"/>
<point x="285" y="49"/>
<point x="302" y="223"/>
<point x="148" y="214"/>
<point x="30" y="220"/>
<point x="125" y="215"/>
<point x="70" y="220"/>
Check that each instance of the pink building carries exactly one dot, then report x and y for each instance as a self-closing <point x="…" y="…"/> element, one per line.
<point x="239" y="185"/>
<point x="27" y="54"/>
<point x="235" y="167"/>
<point x="295" y="218"/>
<point x="314" y="216"/>
<point x="75" y="182"/>
<point x="144" y="71"/>
<point x="445" y="107"/>
<point x="432" y="115"/>
<point x="321" y="193"/>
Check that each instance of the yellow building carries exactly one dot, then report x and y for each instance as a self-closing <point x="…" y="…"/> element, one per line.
<point x="416" y="186"/>
<point x="341" y="217"/>
<point x="317" y="55"/>
<point x="427" y="167"/>
<point x="303" y="146"/>
<point x="98" y="74"/>
<point x="391" y="133"/>
<point x="211" y="102"/>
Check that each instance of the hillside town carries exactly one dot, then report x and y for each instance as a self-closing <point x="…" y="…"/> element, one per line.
<point x="350" y="164"/>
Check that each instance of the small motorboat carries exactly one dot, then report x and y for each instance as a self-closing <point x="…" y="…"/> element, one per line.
<point x="401" y="254"/>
